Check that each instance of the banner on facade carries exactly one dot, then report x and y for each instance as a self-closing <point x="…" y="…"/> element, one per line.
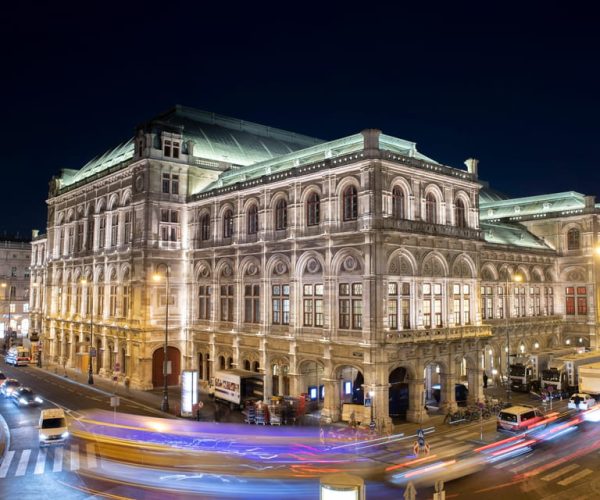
<point x="189" y="392"/>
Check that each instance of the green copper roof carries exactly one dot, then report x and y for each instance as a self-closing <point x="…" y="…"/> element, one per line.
<point x="323" y="151"/>
<point x="212" y="136"/>
<point x="511" y="234"/>
<point x="531" y="206"/>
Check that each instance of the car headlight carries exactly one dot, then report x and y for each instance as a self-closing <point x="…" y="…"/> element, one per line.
<point x="23" y="401"/>
<point x="38" y="399"/>
<point x="65" y="434"/>
<point x="43" y="436"/>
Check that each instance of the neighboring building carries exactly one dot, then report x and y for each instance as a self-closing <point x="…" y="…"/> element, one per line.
<point x="15" y="257"/>
<point x="353" y="265"/>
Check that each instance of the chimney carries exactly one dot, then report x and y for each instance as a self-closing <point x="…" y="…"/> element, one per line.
<point x="34" y="233"/>
<point x="590" y="202"/>
<point x="471" y="164"/>
<point x="371" y="141"/>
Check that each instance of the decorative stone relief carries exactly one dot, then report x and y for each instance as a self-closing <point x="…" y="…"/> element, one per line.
<point x="139" y="183"/>
<point x="394" y="267"/>
<point x="405" y="267"/>
<point x="280" y="268"/>
<point x="204" y="271"/>
<point x="350" y="263"/>
<point x="313" y="266"/>
<point x="252" y="269"/>
<point x="227" y="271"/>
<point x="575" y="276"/>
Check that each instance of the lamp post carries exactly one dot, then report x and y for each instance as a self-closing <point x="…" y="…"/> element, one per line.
<point x="164" y="405"/>
<point x="91" y="307"/>
<point x="516" y="278"/>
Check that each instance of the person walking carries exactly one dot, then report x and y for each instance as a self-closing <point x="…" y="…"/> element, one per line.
<point x="485" y="380"/>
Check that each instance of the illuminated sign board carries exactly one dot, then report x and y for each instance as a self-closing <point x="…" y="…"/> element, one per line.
<point x="189" y="392"/>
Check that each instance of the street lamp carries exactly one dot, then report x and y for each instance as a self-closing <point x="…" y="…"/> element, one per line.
<point x="372" y="424"/>
<point x="516" y="278"/>
<point x="164" y="405"/>
<point x="91" y="307"/>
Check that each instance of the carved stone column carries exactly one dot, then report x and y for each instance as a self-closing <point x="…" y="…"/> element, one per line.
<point x="416" y="401"/>
<point x="447" y="392"/>
<point x="475" y="379"/>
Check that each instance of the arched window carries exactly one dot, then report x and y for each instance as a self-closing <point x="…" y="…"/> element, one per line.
<point x="246" y="365"/>
<point x="228" y="224"/>
<point x="430" y="209"/>
<point x="313" y="210"/>
<point x="398" y="203"/>
<point x="573" y="239"/>
<point x="205" y="227"/>
<point x="281" y="215"/>
<point x="460" y="215"/>
<point x="350" y="198"/>
<point x="252" y="225"/>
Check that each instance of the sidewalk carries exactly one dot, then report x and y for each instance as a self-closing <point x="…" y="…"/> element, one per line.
<point x="212" y="411"/>
<point x="151" y="400"/>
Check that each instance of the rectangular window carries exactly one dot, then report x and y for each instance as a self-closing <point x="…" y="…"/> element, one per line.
<point x="114" y="230"/>
<point x="71" y="240"/>
<point x="126" y="299"/>
<point x="204" y="302"/>
<point x="127" y="229"/>
<point x="90" y="233"/>
<point x="80" y="227"/>
<point x="169" y="227"/>
<point x="102" y="232"/>
<point x="252" y="303"/>
<point x="171" y="148"/>
<point x="581" y="305"/>
<point x="170" y="183"/>
<point x="432" y="305"/>
<point x="350" y="306"/>
<point x="548" y="301"/>
<point x="101" y="301"/>
<point x="280" y="299"/>
<point x="312" y="305"/>
<point x="393" y="313"/>
<point x="113" y="301"/>
<point x="226" y="302"/>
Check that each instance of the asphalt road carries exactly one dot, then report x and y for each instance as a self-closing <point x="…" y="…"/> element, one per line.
<point x="566" y="468"/>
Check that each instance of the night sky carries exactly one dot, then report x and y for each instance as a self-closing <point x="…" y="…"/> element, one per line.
<point x="518" y="89"/>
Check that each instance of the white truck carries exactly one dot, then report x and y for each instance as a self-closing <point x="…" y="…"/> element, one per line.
<point x="238" y="386"/>
<point x="562" y="374"/>
<point x="589" y="379"/>
<point x="526" y="371"/>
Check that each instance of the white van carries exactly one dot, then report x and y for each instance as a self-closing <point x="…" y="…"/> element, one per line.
<point x="518" y="418"/>
<point x="17" y="356"/>
<point x="53" y="427"/>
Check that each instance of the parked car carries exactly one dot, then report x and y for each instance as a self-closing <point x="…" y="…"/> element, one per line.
<point x="581" y="401"/>
<point x="17" y="356"/>
<point x="9" y="385"/>
<point x="2" y="378"/>
<point x="24" y="396"/>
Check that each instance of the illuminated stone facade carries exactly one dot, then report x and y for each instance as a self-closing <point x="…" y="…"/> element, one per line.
<point x="15" y="254"/>
<point x="357" y="261"/>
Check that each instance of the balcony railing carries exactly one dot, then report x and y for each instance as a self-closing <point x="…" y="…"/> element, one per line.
<point x="438" y="334"/>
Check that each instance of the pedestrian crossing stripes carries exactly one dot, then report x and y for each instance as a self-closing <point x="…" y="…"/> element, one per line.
<point x="560" y="472"/>
<point x="48" y="460"/>
<point x="562" y="476"/>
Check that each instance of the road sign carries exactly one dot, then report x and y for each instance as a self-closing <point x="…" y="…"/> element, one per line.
<point x="421" y="434"/>
<point x="367" y="402"/>
<point x="93" y="352"/>
<point x="114" y="401"/>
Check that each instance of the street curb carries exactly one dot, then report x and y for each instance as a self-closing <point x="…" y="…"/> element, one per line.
<point x="105" y="393"/>
<point x="4" y="442"/>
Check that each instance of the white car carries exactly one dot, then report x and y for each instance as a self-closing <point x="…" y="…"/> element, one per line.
<point x="581" y="401"/>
